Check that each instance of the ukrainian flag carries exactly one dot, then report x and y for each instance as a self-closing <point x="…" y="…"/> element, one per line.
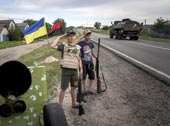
<point x="34" y="31"/>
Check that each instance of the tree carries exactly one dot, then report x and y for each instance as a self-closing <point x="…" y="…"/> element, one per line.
<point x="97" y="25"/>
<point x="162" y="26"/>
<point x="71" y="27"/>
<point x="29" y="21"/>
<point x="15" y="34"/>
<point x="48" y="26"/>
<point x="105" y="27"/>
<point x="64" y="24"/>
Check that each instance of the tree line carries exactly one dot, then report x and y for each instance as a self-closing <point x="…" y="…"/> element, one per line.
<point x="160" y="29"/>
<point x="17" y="35"/>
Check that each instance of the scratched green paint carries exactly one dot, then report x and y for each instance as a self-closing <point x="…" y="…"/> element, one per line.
<point x="35" y="98"/>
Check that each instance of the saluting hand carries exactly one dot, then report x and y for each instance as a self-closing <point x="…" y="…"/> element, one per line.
<point x="62" y="36"/>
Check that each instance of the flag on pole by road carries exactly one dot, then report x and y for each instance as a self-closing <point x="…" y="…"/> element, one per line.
<point x="55" y="27"/>
<point x="36" y="30"/>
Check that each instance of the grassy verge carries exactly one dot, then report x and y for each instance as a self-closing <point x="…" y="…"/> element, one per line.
<point x="155" y="39"/>
<point x="9" y="44"/>
<point x="52" y="69"/>
<point x="101" y="31"/>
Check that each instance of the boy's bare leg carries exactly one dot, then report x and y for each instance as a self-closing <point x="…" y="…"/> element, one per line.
<point x="90" y="85"/>
<point x="84" y="85"/>
<point x="73" y="96"/>
<point x="61" y="96"/>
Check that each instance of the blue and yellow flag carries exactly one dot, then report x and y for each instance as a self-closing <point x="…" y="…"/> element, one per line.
<point x="34" y="31"/>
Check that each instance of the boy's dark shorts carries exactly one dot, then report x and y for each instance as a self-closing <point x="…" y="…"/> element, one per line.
<point x="69" y="76"/>
<point x="88" y="69"/>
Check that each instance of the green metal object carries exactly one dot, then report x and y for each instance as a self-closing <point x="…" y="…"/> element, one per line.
<point x="35" y="98"/>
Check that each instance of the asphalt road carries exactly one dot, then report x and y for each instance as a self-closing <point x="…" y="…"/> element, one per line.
<point x="155" y="55"/>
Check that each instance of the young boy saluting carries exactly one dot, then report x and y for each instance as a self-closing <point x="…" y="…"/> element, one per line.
<point x="70" y="64"/>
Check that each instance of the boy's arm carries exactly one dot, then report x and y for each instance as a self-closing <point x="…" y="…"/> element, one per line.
<point x="80" y="66"/>
<point x="93" y="54"/>
<point x="77" y="40"/>
<point x="54" y="44"/>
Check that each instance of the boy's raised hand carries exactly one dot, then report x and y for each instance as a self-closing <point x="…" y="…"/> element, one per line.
<point x="62" y="36"/>
<point x="77" y="40"/>
<point x="54" y="44"/>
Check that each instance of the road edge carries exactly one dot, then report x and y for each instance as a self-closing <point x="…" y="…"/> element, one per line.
<point x="163" y="77"/>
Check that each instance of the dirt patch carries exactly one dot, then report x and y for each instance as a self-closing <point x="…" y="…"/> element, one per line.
<point x="48" y="59"/>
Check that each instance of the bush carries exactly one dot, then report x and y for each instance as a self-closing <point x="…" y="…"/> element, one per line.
<point x="105" y="27"/>
<point x="151" y="33"/>
<point x="15" y="34"/>
<point x="161" y="28"/>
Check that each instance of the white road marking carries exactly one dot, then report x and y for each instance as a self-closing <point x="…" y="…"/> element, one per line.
<point x="150" y="45"/>
<point x="143" y="44"/>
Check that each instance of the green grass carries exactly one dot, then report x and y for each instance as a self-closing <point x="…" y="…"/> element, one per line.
<point x="155" y="39"/>
<point x="52" y="69"/>
<point x="101" y="31"/>
<point x="9" y="44"/>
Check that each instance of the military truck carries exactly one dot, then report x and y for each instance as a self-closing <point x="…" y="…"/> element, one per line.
<point x="125" y="28"/>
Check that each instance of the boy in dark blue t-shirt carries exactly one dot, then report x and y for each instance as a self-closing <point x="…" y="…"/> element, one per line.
<point x="87" y="53"/>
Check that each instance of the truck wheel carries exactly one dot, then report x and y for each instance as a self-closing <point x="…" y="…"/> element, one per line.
<point x="111" y="35"/>
<point x="116" y="35"/>
<point x="120" y="35"/>
<point x="136" y="38"/>
<point x="53" y="115"/>
<point x="131" y="37"/>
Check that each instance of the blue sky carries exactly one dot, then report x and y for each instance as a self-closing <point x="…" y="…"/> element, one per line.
<point x="85" y="12"/>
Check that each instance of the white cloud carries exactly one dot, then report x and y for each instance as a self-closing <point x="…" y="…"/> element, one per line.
<point x="77" y="12"/>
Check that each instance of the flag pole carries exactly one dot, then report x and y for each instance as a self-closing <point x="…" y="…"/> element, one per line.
<point x="57" y="25"/>
<point x="49" y="52"/>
